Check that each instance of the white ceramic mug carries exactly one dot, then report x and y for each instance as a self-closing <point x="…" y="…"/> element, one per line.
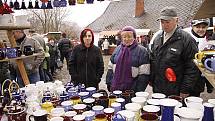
<point x="57" y="119"/>
<point x="158" y="96"/>
<point x="134" y="107"/>
<point x="194" y="102"/>
<point x="128" y="115"/>
<point x="142" y="94"/>
<point x="139" y="100"/>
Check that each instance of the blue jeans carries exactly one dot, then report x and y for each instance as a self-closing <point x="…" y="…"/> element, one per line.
<point x="33" y="78"/>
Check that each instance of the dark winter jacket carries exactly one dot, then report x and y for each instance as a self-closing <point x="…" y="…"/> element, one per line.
<point x="65" y="45"/>
<point x="140" y="67"/>
<point x="4" y="71"/>
<point x="86" y="65"/>
<point x="177" y="54"/>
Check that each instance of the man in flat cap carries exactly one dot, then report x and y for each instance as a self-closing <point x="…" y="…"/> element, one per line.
<point x="172" y="50"/>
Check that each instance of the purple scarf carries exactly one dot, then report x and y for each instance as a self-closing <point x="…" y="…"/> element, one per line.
<point x="122" y="79"/>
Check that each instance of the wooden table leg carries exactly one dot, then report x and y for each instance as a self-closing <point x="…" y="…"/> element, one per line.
<point x="18" y="62"/>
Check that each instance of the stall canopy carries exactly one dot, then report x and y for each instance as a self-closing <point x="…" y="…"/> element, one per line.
<point x="207" y="10"/>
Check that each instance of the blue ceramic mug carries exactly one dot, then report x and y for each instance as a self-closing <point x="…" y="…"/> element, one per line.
<point x="210" y="64"/>
<point x="11" y="52"/>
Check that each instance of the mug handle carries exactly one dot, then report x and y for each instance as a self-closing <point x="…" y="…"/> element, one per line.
<point x="185" y="101"/>
<point x="196" y="56"/>
<point x="29" y="118"/>
<point x="206" y="64"/>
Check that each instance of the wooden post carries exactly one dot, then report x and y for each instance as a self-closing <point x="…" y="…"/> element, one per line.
<point x="19" y="62"/>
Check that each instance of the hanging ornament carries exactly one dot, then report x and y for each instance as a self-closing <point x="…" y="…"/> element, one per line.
<point x="5" y="8"/>
<point x="43" y="6"/>
<point x="23" y="5"/>
<point x="72" y="2"/>
<point x="11" y="4"/>
<point x="56" y="3"/>
<point x="44" y="1"/>
<point x="16" y="5"/>
<point x="100" y="0"/>
<point x="30" y="5"/>
<point x="49" y="5"/>
<point x="90" y="1"/>
<point x="80" y="1"/>
<point x="63" y="3"/>
<point x="36" y="5"/>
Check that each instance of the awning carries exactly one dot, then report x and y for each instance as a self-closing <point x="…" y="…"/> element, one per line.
<point x="207" y="10"/>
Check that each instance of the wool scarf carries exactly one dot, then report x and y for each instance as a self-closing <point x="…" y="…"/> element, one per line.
<point x="122" y="79"/>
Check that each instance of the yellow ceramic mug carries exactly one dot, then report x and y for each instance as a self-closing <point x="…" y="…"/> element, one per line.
<point x="48" y="106"/>
<point x="199" y="56"/>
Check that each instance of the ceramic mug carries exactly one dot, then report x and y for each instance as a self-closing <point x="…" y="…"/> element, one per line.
<point x="122" y="102"/>
<point x="79" y="118"/>
<point x="149" y="117"/>
<point x="189" y="114"/>
<point x="69" y="115"/>
<point x="112" y="99"/>
<point x="158" y="96"/>
<point x="142" y="94"/>
<point x="79" y="108"/>
<point x="28" y="50"/>
<point x="139" y="100"/>
<point x="39" y="115"/>
<point x="57" y="112"/>
<point x="194" y="102"/>
<point x="90" y="102"/>
<point x="57" y="119"/>
<point x="210" y="64"/>
<point x="128" y="115"/>
<point x="2" y="53"/>
<point x="89" y="115"/>
<point x="11" y="52"/>
<point x="151" y="109"/>
<point x="134" y="107"/>
<point x="117" y="93"/>
<point x="100" y="117"/>
<point x="109" y="112"/>
<point x="91" y="90"/>
<point x="67" y="105"/>
<point x="98" y="109"/>
<point x="116" y="106"/>
<point x="75" y="100"/>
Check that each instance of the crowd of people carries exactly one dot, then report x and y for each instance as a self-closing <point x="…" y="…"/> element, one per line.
<point x="166" y="63"/>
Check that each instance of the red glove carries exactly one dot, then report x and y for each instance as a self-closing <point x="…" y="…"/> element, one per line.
<point x="170" y="75"/>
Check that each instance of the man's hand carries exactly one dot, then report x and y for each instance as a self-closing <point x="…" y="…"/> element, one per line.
<point x="183" y="95"/>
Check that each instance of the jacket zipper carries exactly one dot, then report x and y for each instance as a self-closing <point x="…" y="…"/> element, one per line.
<point x="86" y="65"/>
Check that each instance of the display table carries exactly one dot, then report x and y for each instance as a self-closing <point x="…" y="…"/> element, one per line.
<point x="210" y="76"/>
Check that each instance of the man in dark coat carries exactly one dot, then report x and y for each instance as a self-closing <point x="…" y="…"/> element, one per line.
<point x="173" y="71"/>
<point x="86" y="64"/>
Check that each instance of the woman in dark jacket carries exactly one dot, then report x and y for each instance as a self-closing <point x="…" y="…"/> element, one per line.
<point x="86" y="64"/>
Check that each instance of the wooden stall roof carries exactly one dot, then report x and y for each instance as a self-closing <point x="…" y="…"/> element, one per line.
<point x="207" y="10"/>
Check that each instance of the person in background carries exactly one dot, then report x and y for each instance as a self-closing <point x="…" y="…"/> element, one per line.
<point x="118" y="38"/>
<point x="129" y="67"/>
<point x="46" y="66"/>
<point x="54" y="55"/>
<point x="173" y="71"/>
<point x="40" y="39"/>
<point x="4" y="67"/>
<point x="198" y="31"/>
<point x="65" y="46"/>
<point x="86" y="64"/>
<point x="105" y="46"/>
<point x="31" y="63"/>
